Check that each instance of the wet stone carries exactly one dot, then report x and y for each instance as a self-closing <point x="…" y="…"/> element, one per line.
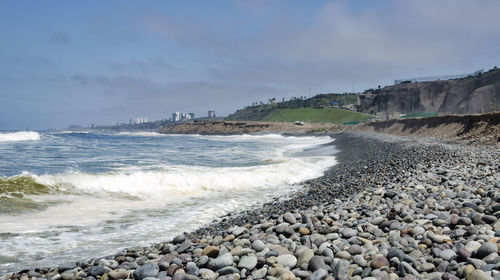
<point x="66" y="266"/>
<point x="96" y="270"/>
<point x="179" y="239"/>
<point x="147" y="270"/>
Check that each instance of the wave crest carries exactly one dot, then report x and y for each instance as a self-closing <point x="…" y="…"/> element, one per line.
<point x="19" y="136"/>
<point x="182" y="182"/>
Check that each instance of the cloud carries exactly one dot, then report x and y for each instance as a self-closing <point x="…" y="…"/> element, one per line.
<point x="407" y="34"/>
<point x="59" y="38"/>
<point x="223" y="55"/>
<point x="338" y="43"/>
<point x="152" y="65"/>
<point x="122" y="95"/>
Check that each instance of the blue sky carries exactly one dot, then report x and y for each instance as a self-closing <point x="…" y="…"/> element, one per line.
<point x="83" y="62"/>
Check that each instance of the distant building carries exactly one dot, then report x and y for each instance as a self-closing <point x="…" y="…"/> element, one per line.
<point x="350" y="107"/>
<point x="181" y="116"/>
<point x="176" y="117"/>
<point x="211" y="114"/>
<point x="138" y="121"/>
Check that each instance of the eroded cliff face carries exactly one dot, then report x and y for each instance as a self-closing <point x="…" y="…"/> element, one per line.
<point x="481" y="128"/>
<point x="465" y="96"/>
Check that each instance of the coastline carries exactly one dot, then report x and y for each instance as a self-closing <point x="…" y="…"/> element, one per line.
<point x="351" y="223"/>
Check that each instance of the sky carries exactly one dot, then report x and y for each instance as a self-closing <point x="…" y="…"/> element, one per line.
<point x="98" y="62"/>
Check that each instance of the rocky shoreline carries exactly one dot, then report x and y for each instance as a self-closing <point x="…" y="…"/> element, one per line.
<point x="393" y="208"/>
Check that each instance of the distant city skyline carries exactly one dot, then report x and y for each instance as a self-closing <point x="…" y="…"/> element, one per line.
<point x="64" y="63"/>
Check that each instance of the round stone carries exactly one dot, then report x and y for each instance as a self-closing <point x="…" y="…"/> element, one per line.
<point x="348" y="232"/>
<point x="304" y="231"/>
<point x="96" y="270"/>
<point x="211" y="251"/>
<point x="319" y="274"/>
<point x="287" y="260"/>
<point x="316" y="263"/>
<point x="118" y="274"/>
<point x="478" y="275"/>
<point x="464" y="253"/>
<point x="289" y="218"/>
<point x="147" y="270"/>
<point x="343" y="255"/>
<point x="379" y="261"/>
<point x="448" y="255"/>
<point x="192" y="269"/>
<point x="304" y="256"/>
<point x="355" y="249"/>
<point x="486" y="249"/>
<point x="179" y="238"/>
<point x="258" y="245"/>
<point x="220" y="262"/>
<point x="248" y="262"/>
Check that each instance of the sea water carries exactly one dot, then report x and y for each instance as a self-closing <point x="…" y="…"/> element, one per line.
<point x="66" y="196"/>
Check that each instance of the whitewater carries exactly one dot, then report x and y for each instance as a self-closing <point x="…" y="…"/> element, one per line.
<point x="71" y="195"/>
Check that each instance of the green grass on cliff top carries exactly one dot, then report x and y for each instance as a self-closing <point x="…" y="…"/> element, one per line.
<point x="324" y="115"/>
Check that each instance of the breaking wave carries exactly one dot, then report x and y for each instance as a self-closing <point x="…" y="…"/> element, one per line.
<point x="173" y="183"/>
<point x="19" y="136"/>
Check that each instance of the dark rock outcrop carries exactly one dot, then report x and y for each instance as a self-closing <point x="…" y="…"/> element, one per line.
<point x="472" y="95"/>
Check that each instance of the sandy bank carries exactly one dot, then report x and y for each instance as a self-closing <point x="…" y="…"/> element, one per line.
<point x="239" y="127"/>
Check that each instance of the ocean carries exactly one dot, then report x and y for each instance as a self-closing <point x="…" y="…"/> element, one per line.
<point x="70" y="195"/>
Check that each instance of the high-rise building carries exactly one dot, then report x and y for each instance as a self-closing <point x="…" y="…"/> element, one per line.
<point x="176" y="116"/>
<point x="184" y="116"/>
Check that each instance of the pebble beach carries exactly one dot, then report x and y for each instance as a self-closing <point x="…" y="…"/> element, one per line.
<point x="392" y="208"/>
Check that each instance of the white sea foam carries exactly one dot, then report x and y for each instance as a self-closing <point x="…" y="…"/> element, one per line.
<point x="179" y="183"/>
<point x="19" y="136"/>
<point x="72" y="132"/>
<point x="267" y="138"/>
<point x="141" y="133"/>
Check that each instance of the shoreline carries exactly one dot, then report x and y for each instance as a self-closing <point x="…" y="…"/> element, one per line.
<point x="308" y="234"/>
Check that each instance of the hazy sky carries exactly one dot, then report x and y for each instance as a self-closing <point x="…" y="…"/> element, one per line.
<point x="83" y="62"/>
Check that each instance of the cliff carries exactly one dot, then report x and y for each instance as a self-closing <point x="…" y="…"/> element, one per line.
<point x="477" y="94"/>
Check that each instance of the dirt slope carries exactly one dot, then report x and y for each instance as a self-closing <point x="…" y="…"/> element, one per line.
<point x="477" y="128"/>
<point x="239" y="127"/>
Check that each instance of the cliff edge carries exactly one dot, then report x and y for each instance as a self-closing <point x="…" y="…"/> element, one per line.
<point x="471" y="95"/>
